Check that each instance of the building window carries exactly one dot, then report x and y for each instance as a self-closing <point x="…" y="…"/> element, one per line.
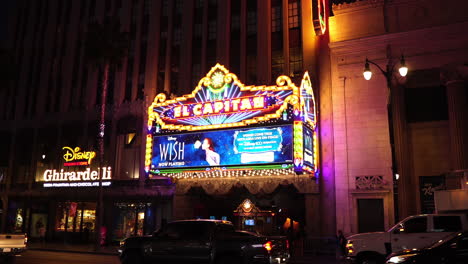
<point x="179" y="6"/>
<point x="251" y="23"/>
<point x="235" y="22"/>
<point x="130" y="138"/>
<point x="198" y="3"/>
<point x="277" y="62"/>
<point x="434" y="107"/>
<point x="293" y="15"/>
<point x="131" y="219"/>
<point x="196" y="72"/>
<point x="165" y="8"/>
<point x="295" y="60"/>
<point x="177" y="37"/>
<point x="212" y="30"/>
<point x="197" y="30"/>
<point x="76" y="217"/>
<point x="146" y="7"/>
<point x="276" y="19"/>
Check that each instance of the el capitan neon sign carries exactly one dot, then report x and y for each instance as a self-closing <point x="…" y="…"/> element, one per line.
<point x="221" y="101"/>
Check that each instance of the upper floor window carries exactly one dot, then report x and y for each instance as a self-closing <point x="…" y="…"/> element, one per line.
<point x="165" y="8"/>
<point x="179" y="6"/>
<point x="197" y="30"/>
<point x="198" y="3"/>
<point x="177" y="37"/>
<point x="235" y="22"/>
<point x="251" y="22"/>
<point x="212" y="30"/>
<point x="293" y="15"/>
<point x="276" y="19"/>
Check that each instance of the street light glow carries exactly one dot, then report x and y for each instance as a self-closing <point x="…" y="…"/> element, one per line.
<point x="367" y="72"/>
<point x="403" y="71"/>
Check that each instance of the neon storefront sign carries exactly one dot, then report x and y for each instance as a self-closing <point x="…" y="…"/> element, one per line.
<point x="81" y="178"/>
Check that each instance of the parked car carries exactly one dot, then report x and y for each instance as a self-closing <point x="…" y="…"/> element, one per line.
<point x="416" y="231"/>
<point x="452" y="249"/>
<point x="12" y="245"/>
<point x="204" y="241"/>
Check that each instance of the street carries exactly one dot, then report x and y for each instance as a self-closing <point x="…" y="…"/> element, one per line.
<point x="48" y="257"/>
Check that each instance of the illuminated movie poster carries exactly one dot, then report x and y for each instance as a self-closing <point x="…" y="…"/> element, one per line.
<point x="308" y="147"/>
<point x="223" y="148"/>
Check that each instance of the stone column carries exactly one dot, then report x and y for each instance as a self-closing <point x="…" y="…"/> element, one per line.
<point x="455" y="78"/>
<point x="404" y="192"/>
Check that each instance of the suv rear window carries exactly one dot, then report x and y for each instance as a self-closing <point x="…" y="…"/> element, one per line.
<point x="447" y="223"/>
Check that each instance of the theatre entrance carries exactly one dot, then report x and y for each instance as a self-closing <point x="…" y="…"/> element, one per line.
<point x="264" y="213"/>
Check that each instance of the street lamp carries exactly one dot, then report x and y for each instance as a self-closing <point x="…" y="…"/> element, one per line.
<point x="403" y="70"/>
<point x="389" y="74"/>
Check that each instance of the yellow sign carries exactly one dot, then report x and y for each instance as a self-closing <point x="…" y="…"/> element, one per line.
<point x="76" y="154"/>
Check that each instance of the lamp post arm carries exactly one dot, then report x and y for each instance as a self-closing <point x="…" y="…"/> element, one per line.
<point x="383" y="72"/>
<point x="388" y="77"/>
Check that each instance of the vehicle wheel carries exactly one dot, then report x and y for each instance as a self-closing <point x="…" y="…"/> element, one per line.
<point x="227" y="260"/>
<point x="371" y="260"/>
<point x="132" y="257"/>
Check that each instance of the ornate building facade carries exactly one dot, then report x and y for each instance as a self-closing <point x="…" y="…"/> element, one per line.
<point x="428" y="108"/>
<point x="374" y="167"/>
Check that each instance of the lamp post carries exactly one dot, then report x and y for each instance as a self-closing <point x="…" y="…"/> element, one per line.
<point x="389" y="73"/>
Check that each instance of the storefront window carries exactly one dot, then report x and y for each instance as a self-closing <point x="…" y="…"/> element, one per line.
<point x="141" y="221"/>
<point x="76" y="217"/>
<point x="19" y="220"/>
<point x="130" y="219"/>
<point x="89" y="219"/>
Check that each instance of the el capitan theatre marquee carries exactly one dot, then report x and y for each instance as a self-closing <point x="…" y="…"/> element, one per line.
<point x="226" y="128"/>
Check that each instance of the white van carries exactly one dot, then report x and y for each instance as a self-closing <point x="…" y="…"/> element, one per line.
<point x="416" y="231"/>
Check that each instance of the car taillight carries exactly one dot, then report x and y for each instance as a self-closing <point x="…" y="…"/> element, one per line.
<point x="349" y="247"/>
<point x="268" y="246"/>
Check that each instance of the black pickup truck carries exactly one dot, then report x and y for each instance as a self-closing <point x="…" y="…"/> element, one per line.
<point x="204" y="241"/>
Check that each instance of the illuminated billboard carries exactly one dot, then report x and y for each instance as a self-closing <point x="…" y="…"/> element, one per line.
<point x="223" y="148"/>
<point x="228" y="126"/>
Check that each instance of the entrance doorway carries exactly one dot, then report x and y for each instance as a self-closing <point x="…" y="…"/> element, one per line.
<point x="273" y="208"/>
<point x="370" y="215"/>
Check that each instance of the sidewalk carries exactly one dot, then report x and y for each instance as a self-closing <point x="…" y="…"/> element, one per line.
<point x="72" y="248"/>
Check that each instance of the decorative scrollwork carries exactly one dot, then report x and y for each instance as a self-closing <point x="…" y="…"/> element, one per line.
<point x="294" y="99"/>
<point x="206" y="81"/>
<point x="228" y="78"/>
<point x="283" y="80"/>
<point x="160" y="98"/>
<point x="370" y="182"/>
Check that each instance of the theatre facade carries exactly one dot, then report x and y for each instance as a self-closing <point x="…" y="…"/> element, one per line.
<point x="244" y="153"/>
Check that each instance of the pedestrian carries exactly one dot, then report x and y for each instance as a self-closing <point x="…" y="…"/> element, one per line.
<point x="341" y="239"/>
<point x="42" y="233"/>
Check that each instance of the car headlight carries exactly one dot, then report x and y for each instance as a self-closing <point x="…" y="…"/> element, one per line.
<point x="400" y="259"/>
